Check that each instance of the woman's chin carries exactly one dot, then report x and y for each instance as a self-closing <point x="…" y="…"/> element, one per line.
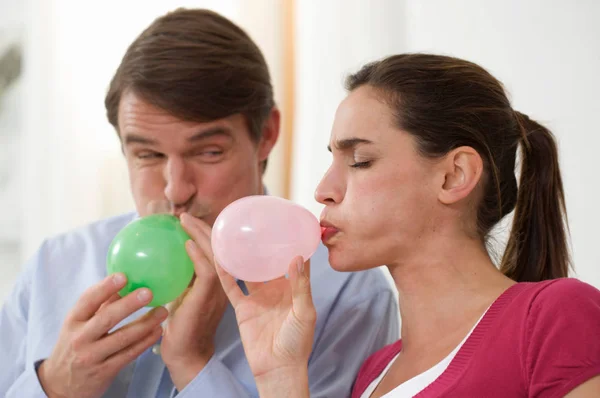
<point x="345" y="261"/>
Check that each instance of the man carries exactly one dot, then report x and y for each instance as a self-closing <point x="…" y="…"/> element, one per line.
<point x="192" y="104"/>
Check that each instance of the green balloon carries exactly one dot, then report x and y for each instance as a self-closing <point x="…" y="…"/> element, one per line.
<point x="150" y="251"/>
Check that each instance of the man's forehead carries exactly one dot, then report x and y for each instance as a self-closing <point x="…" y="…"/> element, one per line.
<point x="198" y="136"/>
<point x="139" y="118"/>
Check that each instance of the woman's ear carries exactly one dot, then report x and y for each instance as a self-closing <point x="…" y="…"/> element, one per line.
<point x="463" y="168"/>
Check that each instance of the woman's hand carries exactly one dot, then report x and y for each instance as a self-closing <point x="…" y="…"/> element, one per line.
<point x="277" y="323"/>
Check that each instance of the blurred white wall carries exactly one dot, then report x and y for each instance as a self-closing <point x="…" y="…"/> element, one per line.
<point x="546" y="52"/>
<point x="11" y="124"/>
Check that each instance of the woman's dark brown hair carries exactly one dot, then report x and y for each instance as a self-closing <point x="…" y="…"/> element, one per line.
<point x="198" y="66"/>
<point x="445" y="103"/>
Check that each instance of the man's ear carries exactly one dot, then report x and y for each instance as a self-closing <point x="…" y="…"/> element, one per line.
<point x="462" y="168"/>
<point x="270" y="134"/>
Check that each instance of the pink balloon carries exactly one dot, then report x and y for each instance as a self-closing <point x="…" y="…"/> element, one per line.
<point x="255" y="238"/>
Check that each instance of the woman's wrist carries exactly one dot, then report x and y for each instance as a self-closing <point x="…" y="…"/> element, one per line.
<point x="291" y="382"/>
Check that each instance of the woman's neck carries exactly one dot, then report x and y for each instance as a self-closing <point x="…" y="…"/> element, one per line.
<point x="444" y="290"/>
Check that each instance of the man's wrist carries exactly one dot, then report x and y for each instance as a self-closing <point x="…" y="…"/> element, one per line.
<point x="184" y="371"/>
<point x="44" y="379"/>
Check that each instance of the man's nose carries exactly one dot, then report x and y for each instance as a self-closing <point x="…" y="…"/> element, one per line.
<point x="180" y="187"/>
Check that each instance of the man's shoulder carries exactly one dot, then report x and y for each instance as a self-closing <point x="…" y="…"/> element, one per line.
<point x="67" y="263"/>
<point x="95" y="233"/>
<point x="81" y="245"/>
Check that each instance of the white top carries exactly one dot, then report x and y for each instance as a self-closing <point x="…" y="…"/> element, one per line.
<point x="415" y="385"/>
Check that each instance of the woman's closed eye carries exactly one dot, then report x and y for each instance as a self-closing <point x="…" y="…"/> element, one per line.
<point x="361" y="165"/>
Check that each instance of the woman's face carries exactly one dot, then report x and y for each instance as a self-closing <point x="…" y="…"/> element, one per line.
<point x="380" y="195"/>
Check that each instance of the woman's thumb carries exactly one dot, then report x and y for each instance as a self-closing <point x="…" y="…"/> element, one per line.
<point x="302" y="302"/>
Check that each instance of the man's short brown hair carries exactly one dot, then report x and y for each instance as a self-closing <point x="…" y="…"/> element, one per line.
<point x="198" y="66"/>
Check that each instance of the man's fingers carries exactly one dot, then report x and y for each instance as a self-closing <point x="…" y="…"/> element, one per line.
<point x="196" y="224"/>
<point x="129" y="354"/>
<point x="91" y="300"/>
<point x="203" y="268"/>
<point x="110" y="300"/>
<point x="129" y="334"/>
<point x="200" y="232"/>
<point x="103" y="321"/>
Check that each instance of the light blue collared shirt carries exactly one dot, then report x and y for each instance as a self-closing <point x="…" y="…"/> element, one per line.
<point x="357" y="315"/>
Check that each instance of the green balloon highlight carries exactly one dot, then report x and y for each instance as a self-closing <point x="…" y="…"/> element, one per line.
<point x="150" y="251"/>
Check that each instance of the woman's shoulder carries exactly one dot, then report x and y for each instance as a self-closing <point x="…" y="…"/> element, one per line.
<point x="373" y="366"/>
<point x="527" y="304"/>
<point x="561" y="347"/>
<point x="563" y="294"/>
<point x="560" y="306"/>
<point x="563" y="309"/>
<point x="542" y="337"/>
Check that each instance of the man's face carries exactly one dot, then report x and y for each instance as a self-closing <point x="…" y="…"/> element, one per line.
<point x="177" y="166"/>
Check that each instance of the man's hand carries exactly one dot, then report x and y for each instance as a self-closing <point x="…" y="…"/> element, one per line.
<point x="87" y="357"/>
<point x="188" y="341"/>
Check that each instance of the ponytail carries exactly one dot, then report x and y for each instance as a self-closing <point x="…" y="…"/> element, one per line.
<point x="537" y="247"/>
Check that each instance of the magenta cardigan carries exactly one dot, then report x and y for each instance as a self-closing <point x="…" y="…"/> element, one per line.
<point x="536" y="340"/>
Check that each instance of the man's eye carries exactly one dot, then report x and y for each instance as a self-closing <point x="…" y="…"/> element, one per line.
<point x="150" y="155"/>
<point x="211" y="153"/>
<point x="210" y="156"/>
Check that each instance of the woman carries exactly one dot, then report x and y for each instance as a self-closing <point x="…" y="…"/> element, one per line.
<point x="424" y="151"/>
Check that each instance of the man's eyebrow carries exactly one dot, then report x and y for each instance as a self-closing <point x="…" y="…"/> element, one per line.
<point x="138" y="139"/>
<point x="211" y="132"/>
